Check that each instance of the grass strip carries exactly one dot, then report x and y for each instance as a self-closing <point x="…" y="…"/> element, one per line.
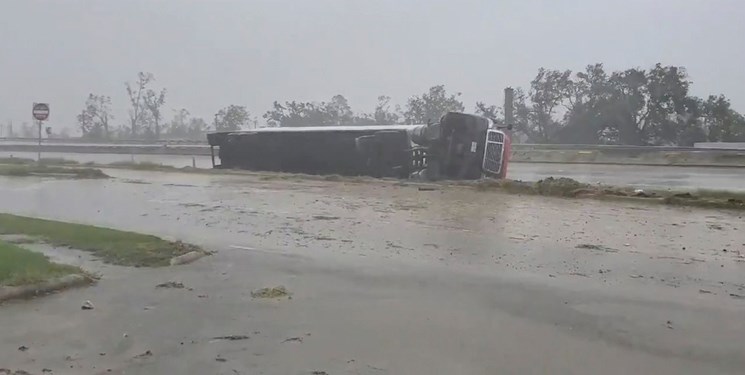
<point x="109" y="245"/>
<point x="43" y="170"/>
<point x="19" y="266"/>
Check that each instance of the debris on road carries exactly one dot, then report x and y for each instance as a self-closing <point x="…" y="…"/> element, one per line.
<point x="276" y="292"/>
<point x="87" y="305"/>
<point x="171" y="284"/>
<point x="737" y="296"/>
<point x="324" y="217"/>
<point x="147" y="353"/>
<point x="641" y="193"/>
<point x="293" y="339"/>
<point x="704" y="291"/>
<point x="188" y="257"/>
<point x="5" y="371"/>
<point x="221" y="359"/>
<point x="23" y="348"/>
<point x="590" y="246"/>
<point x="669" y="324"/>
<point x="684" y="195"/>
<point x="232" y="337"/>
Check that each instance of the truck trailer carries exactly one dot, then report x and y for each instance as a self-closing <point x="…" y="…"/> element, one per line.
<point x="458" y="147"/>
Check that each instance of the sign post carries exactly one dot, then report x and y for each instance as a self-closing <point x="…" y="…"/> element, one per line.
<point x="41" y="113"/>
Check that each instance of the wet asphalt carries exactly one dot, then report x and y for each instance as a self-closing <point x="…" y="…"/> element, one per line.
<point x="385" y="279"/>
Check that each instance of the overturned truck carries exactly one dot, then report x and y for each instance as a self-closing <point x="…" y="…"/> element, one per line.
<point x="458" y="147"/>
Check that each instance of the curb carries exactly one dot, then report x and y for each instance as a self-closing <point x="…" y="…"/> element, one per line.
<point x="28" y="291"/>
<point x="188" y="257"/>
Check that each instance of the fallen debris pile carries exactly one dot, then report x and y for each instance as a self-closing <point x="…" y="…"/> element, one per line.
<point x="276" y="292"/>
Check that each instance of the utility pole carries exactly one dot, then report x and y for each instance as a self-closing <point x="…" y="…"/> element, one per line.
<point x="509" y="106"/>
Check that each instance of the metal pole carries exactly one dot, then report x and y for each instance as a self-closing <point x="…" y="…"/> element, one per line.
<point x="509" y="107"/>
<point x="38" y="151"/>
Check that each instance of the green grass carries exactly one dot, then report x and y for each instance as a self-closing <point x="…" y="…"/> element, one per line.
<point x="24" y="170"/>
<point x="19" y="266"/>
<point x="109" y="245"/>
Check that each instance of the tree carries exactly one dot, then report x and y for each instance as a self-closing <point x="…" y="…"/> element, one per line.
<point x="548" y="91"/>
<point x="586" y="100"/>
<point x="94" y="118"/>
<point x="183" y="126"/>
<point x="335" y="112"/>
<point x="431" y="105"/>
<point x="488" y="111"/>
<point x="290" y="114"/>
<point x="177" y="128"/>
<point x="135" y="93"/>
<point x="231" y="118"/>
<point x="153" y="101"/>
<point x="634" y="106"/>
<point x="338" y="111"/>
<point x="196" y="128"/>
<point x="721" y="122"/>
<point x="383" y="114"/>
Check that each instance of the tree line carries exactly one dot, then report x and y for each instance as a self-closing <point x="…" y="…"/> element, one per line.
<point x="634" y="106"/>
<point x="630" y="107"/>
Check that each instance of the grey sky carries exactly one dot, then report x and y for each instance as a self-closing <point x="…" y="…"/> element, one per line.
<point x="209" y="54"/>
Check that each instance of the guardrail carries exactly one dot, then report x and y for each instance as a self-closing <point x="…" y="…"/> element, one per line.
<point x="515" y="146"/>
<point x="525" y="153"/>
<point x="109" y="142"/>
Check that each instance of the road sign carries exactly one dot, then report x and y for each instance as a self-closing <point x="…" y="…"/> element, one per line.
<point x="41" y="111"/>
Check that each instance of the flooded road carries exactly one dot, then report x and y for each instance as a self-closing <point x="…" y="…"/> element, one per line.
<point x="387" y="278"/>
<point x="642" y="177"/>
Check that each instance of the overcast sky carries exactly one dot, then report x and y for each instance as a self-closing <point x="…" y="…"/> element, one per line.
<point x="210" y="54"/>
